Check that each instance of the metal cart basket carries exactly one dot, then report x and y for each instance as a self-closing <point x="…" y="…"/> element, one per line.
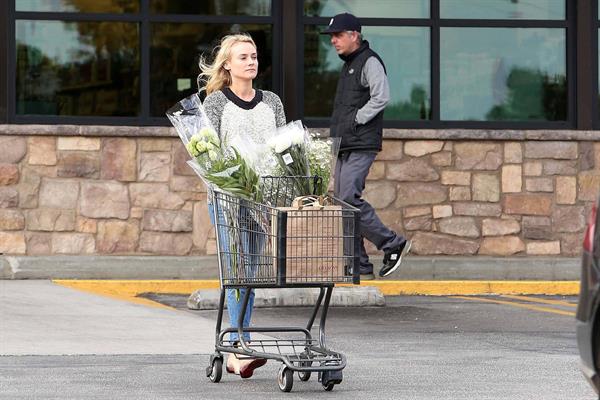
<point x="279" y="244"/>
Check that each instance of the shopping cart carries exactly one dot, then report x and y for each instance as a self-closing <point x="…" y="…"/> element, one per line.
<point x="278" y="244"/>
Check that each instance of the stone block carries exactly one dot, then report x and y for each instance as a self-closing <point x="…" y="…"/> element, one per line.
<point x="566" y="190"/>
<point x="418" y="223"/>
<point x="119" y="159"/>
<point x="460" y="193"/>
<point x="59" y="193"/>
<point x="459" y="226"/>
<point x="553" y="150"/>
<point x="477" y="209"/>
<point x="38" y="244"/>
<point x="391" y="218"/>
<point x="136" y="212"/>
<point x="29" y="188"/>
<point x="42" y="150"/>
<point x="12" y="243"/>
<point x="441" y="159"/>
<point x="486" y="187"/>
<point x="532" y="168"/>
<point x="78" y="143"/>
<point x="501" y="246"/>
<point x="539" y="185"/>
<point x="478" y="156"/>
<point x="9" y="174"/>
<point x="537" y="228"/>
<point x="570" y="244"/>
<point x="586" y="156"/>
<point x="410" y="212"/>
<point x="187" y="184"/>
<point x="442" y="211"/>
<point x="513" y="154"/>
<point x="154" y="195"/>
<point x="380" y="194"/>
<point x="499" y="227"/>
<point x="543" y="248"/>
<point x="568" y="219"/>
<point x="418" y="148"/>
<point x="48" y="171"/>
<point x="528" y="204"/>
<point x="459" y="178"/>
<point x="11" y="220"/>
<point x="202" y="225"/>
<point x="86" y="225"/>
<point x="50" y="219"/>
<point x="420" y="193"/>
<point x="78" y="165"/>
<point x="392" y="150"/>
<point x="180" y="158"/>
<point x="413" y="170"/>
<point x="117" y="237"/>
<point x="425" y="243"/>
<point x="377" y="171"/>
<point x="166" y="243"/>
<point x="596" y="155"/>
<point x="589" y="185"/>
<point x="73" y="243"/>
<point x="107" y="199"/>
<point x="148" y="145"/>
<point x="211" y="247"/>
<point x="13" y="148"/>
<point x="154" y="167"/>
<point x="511" y="179"/>
<point x="167" y="221"/>
<point x="555" y="167"/>
<point x="9" y="197"/>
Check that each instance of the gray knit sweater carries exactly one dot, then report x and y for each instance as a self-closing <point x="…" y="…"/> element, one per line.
<point x="232" y="116"/>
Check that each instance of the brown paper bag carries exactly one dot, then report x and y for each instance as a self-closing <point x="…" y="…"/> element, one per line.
<point x="315" y="242"/>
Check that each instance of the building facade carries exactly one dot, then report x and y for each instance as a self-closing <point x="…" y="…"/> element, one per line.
<point x="491" y="136"/>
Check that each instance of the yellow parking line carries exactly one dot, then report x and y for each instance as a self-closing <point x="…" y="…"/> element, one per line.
<point x="519" y="305"/>
<point x="543" y="301"/>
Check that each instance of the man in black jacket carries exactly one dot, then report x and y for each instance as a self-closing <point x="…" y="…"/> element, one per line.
<point x="361" y="96"/>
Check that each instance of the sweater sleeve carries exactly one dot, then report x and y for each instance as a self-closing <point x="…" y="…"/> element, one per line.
<point x="374" y="77"/>
<point x="275" y="103"/>
<point x="213" y="106"/>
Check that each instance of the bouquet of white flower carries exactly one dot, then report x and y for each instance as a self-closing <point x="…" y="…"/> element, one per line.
<point x="223" y="168"/>
<point x="322" y="157"/>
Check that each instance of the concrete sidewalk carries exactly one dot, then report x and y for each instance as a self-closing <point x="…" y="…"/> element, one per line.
<point x="206" y="267"/>
<point x="42" y="318"/>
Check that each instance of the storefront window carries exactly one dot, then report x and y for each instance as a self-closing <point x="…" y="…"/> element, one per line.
<point x="174" y="54"/>
<point x="405" y="52"/>
<point x="366" y="9"/>
<point x="87" y="6"/>
<point x="77" y="68"/>
<point x="503" y="9"/>
<point x="503" y="74"/>
<point x="212" y="7"/>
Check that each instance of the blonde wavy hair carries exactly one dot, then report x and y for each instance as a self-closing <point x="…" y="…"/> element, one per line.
<point x="213" y="76"/>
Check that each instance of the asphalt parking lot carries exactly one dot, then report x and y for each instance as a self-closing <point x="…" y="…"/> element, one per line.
<point x="417" y="347"/>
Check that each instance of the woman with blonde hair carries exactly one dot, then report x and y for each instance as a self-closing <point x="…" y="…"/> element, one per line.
<point x="236" y="108"/>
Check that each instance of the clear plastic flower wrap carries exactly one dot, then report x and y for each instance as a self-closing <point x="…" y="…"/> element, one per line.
<point x="322" y="157"/>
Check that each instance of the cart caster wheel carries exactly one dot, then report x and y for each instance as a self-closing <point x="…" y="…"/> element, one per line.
<point x="304" y="375"/>
<point x="215" y="370"/>
<point x="328" y="387"/>
<point x="285" y="378"/>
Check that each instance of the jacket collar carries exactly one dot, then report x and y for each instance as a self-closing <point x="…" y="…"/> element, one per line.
<point x="348" y="58"/>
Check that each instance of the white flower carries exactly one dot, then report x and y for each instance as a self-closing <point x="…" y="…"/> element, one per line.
<point x="297" y="136"/>
<point x="280" y="143"/>
<point x="209" y="135"/>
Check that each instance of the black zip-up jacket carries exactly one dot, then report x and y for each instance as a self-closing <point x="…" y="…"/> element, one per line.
<point x="350" y="96"/>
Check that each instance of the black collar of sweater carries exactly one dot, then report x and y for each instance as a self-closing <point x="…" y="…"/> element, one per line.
<point x="246" y="105"/>
<point x="348" y="58"/>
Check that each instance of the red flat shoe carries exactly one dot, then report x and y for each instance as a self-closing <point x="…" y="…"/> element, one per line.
<point x="247" y="370"/>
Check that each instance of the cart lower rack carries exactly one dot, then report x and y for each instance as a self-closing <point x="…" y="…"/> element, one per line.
<point x="284" y="241"/>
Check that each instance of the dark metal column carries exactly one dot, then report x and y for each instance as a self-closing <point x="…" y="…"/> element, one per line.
<point x="586" y="97"/>
<point x="292" y="43"/>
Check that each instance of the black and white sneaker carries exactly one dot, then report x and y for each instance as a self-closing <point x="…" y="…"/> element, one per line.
<point x="393" y="258"/>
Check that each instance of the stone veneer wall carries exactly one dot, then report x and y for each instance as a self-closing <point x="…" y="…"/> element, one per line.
<point x="135" y="195"/>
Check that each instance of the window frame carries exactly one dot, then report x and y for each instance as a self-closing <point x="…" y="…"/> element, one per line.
<point x="144" y="18"/>
<point x="435" y="23"/>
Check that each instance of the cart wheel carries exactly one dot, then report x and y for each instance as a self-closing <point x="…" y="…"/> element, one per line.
<point x="328" y="387"/>
<point x="285" y="378"/>
<point x="216" y="370"/>
<point x="304" y="375"/>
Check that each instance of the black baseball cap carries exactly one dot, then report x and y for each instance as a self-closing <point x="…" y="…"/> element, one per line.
<point x="343" y="22"/>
